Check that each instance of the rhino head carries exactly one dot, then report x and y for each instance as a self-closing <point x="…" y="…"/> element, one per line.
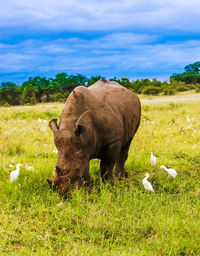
<point x="74" y="143"/>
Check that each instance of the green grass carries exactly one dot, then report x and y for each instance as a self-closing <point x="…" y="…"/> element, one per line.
<point x="121" y="218"/>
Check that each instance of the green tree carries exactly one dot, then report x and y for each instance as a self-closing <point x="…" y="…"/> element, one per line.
<point x="195" y="67"/>
<point x="125" y="82"/>
<point x="68" y="83"/>
<point x="156" y="83"/>
<point x="41" y="85"/>
<point x="61" y="78"/>
<point x="94" y="79"/>
<point x="10" y="93"/>
<point x="75" y="80"/>
<point x="187" y="77"/>
<point x="190" y="76"/>
<point x="28" y="95"/>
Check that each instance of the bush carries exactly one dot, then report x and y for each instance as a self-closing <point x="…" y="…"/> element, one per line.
<point x="52" y="98"/>
<point x="60" y="97"/>
<point x="191" y="86"/>
<point x="151" y="90"/>
<point x="6" y="104"/>
<point x="197" y="88"/>
<point x="3" y="102"/>
<point x="182" y="88"/>
<point x="169" y="91"/>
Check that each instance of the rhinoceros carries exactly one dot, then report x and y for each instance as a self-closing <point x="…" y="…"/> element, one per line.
<point x="99" y="121"/>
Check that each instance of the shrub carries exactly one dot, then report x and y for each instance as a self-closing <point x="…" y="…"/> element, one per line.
<point x="197" y="88"/>
<point x="3" y="102"/>
<point x="60" y="97"/>
<point x="182" y="88"/>
<point x="52" y="98"/>
<point x="151" y="90"/>
<point x="191" y="86"/>
<point x="169" y="91"/>
<point x="6" y="104"/>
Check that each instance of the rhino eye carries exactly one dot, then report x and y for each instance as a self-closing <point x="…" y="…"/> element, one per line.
<point x="77" y="169"/>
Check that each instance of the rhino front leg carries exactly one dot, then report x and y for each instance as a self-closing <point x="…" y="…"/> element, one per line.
<point x="86" y="178"/>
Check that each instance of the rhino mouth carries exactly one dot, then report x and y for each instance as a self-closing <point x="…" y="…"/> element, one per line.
<point x="51" y="184"/>
<point x="62" y="184"/>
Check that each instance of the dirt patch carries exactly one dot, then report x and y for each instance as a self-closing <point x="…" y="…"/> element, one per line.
<point x="192" y="97"/>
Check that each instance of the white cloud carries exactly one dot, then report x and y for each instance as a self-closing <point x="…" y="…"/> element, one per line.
<point x="91" y="15"/>
<point x="118" y="38"/>
<point x="120" y="54"/>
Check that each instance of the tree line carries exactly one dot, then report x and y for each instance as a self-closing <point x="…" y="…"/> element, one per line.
<point x="41" y="89"/>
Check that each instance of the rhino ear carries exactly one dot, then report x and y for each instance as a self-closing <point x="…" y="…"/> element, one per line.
<point x="82" y="123"/>
<point x="53" y="125"/>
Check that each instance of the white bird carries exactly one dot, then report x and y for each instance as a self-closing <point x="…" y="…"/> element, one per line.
<point x="14" y="174"/>
<point x="170" y="171"/>
<point x="29" y="168"/>
<point x="147" y="184"/>
<point x="152" y="159"/>
<point x="55" y="151"/>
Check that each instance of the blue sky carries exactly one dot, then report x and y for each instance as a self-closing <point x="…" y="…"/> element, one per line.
<point x="127" y="38"/>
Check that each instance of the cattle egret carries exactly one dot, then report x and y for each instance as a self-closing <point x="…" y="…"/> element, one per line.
<point x="14" y="175"/>
<point x="29" y="168"/>
<point x="60" y="204"/>
<point x="170" y="171"/>
<point x="147" y="184"/>
<point x="152" y="159"/>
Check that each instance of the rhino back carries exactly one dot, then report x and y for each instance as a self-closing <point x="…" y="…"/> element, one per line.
<point x="123" y="105"/>
<point x="115" y="110"/>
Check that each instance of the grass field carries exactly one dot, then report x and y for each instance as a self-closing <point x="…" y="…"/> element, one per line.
<point x="114" y="219"/>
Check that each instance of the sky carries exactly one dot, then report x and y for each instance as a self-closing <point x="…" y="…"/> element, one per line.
<point x="112" y="38"/>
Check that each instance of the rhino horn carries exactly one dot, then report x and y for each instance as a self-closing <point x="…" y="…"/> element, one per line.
<point x="53" y="125"/>
<point x="51" y="182"/>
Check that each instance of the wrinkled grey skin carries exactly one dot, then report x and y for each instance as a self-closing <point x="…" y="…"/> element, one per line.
<point x="97" y="122"/>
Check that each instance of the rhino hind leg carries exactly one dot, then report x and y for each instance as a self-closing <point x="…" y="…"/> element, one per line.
<point x="119" y="169"/>
<point x="108" y="160"/>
